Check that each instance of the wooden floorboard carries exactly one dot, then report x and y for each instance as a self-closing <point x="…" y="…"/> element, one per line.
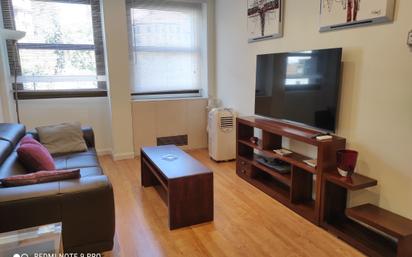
<point x="247" y="222"/>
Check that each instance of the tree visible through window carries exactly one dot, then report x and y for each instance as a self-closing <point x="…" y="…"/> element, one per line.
<point x="62" y="49"/>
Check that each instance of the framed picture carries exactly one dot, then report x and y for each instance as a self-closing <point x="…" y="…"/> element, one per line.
<point x="264" y="19"/>
<point x="340" y="14"/>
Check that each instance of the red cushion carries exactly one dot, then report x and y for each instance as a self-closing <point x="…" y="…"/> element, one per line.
<point x="40" y="177"/>
<point x="29" y="140"/>
<point x="34" y="156"/>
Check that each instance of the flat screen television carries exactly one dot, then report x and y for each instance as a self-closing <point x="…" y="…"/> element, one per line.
<point x="301" y="87"/>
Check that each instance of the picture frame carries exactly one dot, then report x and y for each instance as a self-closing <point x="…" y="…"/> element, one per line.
<point x="265" y="19"/>
<point x="343" y="14"/>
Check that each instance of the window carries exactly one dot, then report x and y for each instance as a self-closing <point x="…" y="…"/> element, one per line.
<point x="62" y="52"/>
<point x="167" y="51"/>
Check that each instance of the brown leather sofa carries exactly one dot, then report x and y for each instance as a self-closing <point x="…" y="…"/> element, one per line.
<point x="85" y="206"/>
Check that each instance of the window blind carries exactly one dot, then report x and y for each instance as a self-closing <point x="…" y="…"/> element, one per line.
<point x="63" y="46"/>
<point x="165" y="39"/>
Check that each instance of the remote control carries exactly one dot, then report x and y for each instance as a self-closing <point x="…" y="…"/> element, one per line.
<point x="322" y="138"/>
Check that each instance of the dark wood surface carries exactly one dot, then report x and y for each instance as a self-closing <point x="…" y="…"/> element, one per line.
<point x="355" y="182"/>
<point x="183" y="166"/>
<point x="369" y="242"/>
<point x="353" y="225"/>
<point x="187" y="185"/>
<point x="297" y="193"/>
<point x="381" y="219"/>
<point x="284" y="178"/>
<point x="293" y="158"/>
<point x="286" y="129"/>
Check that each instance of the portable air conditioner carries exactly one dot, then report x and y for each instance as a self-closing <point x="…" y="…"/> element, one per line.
<point x="222" y="134"/>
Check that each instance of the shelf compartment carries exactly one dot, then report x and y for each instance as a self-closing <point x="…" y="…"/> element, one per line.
<point x="270" y="185"/>
<point x="250" y="144"/>
<point x="283" y="178"/>
<point x="366" y="240"/>
<point x="271" y="141"/>
<point x="302" y="186"/>
<point x="293" y="158"/>
<point x="355" y="182"/>
<point x="244" y="131"/>
<point x="245" y="151"/>
<point x="382" y="220"/>
<point x="306" y="209"/>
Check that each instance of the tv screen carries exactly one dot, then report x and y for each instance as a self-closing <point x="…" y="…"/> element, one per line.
<point x="301" y="87"/>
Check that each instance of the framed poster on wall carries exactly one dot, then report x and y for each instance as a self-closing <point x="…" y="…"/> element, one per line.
<point x="264" y="19"/>
<point x="340" y="14"/>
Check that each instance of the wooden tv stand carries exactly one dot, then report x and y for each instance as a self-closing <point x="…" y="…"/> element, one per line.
<point x="328" y="208"/>
<point x="294" y="189"/>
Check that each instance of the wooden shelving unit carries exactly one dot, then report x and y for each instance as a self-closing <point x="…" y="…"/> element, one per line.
<point x="372" y="230"/>
<point x="294" y="189"/>
<point x="386" y="234"/>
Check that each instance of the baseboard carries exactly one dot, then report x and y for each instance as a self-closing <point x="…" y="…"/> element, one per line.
<point x="107" y="151"/>
<point x="123" y="156"/>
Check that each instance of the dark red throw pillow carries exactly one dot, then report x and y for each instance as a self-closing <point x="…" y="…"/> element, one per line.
<point x="40" y="177"/>
<point x="29" y="140"/>
<point x="34" y="156"/>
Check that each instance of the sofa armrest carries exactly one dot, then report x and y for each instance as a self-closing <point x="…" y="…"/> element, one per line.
<point x="11" y="194"/>
<point x="85" y="204"/>
<point x="88" y="214"/>
<point x="88" y="135"/>
<point x="28" y="206"/>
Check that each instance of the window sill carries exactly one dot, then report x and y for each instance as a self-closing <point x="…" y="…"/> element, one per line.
<point x="29" y="95"/>
<point x="170" y="99"/>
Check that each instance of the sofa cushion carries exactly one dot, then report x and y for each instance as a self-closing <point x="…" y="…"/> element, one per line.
<point x="76" y="161"/>
<point x="12" y="166"/>
<point x="12" y="132"/>
<point x="39" y="177"/>
<point x="34" y="156"/>
<point x="62" y="138"/>
<point x="5" y="150"/>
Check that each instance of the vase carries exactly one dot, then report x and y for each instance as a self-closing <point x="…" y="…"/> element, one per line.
<point x="346" y="162"/>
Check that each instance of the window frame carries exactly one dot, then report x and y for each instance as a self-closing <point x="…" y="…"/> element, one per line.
<point x="97" y="47"/>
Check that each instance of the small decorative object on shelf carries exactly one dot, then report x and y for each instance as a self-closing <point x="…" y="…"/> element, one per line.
<point x="311" y="163"/>
<point x="254" y="140"/>
<point x="282" y="151"/>
<point x="324" y="137"/>
<point x="346" y="161"/>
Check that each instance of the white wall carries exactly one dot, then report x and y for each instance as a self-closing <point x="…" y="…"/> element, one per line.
<point x="92" y="112"/>
<point x="117" y="66"/>
<point x="164" y="118"/>
<point x="376" y="106"/>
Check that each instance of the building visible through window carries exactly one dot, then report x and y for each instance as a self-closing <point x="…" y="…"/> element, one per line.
<point x="166" y="47"/>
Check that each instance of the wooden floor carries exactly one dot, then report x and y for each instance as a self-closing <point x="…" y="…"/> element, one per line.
<point x="247" y="222"/>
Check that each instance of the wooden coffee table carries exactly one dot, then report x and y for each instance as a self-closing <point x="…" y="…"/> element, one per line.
<point x="186" y="185"/>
